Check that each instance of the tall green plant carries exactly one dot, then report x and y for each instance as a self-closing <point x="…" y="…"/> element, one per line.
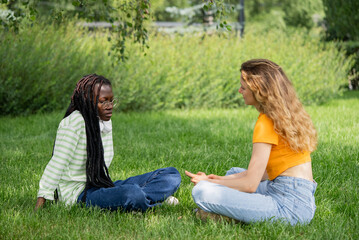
<point x="40" y="66"/>
<point x="191" y="72"/>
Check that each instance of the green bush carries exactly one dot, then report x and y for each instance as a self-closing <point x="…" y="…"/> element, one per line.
<point x="41" y="65"/>
<point x="342" y="17"/>
<point x="298" y="13"/>
<point x="304" y="13"/>
<point x="188" y="71"/>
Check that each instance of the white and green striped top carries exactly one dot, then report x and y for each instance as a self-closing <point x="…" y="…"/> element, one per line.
<point x="66" y="170"/>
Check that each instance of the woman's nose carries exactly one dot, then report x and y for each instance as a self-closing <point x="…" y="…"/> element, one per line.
<point x="109" y="106"/>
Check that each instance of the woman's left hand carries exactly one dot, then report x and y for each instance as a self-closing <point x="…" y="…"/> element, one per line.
<point x="196" y="178"/>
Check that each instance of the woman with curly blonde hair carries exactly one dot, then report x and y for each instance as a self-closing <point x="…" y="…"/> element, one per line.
<point x="278" y="184"/>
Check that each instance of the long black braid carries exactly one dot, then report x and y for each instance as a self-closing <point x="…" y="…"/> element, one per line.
<point x="83" y="100"/>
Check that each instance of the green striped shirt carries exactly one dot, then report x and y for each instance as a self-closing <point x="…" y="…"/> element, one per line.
<point x="66" y="171"/>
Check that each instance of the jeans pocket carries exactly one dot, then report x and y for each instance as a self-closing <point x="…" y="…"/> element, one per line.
<point x="277" y="189"/>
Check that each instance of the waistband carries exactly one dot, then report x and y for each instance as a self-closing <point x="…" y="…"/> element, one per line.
<point x="296" y="182"/>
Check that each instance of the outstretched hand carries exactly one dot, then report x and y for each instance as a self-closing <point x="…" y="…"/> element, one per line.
<point x="196" y="178"/>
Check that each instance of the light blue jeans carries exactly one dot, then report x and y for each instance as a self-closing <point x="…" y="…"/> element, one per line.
<point x="285" y="198"/>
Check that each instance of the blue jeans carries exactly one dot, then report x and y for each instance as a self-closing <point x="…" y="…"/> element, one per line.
<point x="285" y="198"/>
<point x="136" y="193"/>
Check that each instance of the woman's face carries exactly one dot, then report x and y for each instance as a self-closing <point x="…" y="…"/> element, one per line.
<point x="247" y="94"/>
<point x="106" y="95"/>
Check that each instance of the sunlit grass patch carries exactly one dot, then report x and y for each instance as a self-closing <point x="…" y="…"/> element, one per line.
<point x="207" y="140"/>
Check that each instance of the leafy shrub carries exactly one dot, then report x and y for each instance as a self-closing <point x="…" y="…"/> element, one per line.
<point x="298" y="13"/>
<point x="293" y="13"/>
<point x="342" y="17"/>
<point x="188" y="71"/>
<point x="41" y="65"/>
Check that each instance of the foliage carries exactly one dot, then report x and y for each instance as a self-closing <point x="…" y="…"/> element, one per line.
<point x="342" y="17"/>
<point x="41" y="65"/>
<point x="128" y="17"/>
<point x="298" y="13"/>
<point x="294" y="13"/>
<point x="212" y="141"/>
<point x="177" y="76"/>
<point x="159" y="9"/>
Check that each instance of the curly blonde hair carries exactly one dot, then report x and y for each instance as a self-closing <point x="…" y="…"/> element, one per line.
<point x="278" y="100"/>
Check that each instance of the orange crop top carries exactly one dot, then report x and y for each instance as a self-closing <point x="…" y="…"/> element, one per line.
<point x="282" y="156"/>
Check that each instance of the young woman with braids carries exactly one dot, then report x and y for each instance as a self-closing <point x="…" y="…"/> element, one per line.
<point x="83" y="151"/>
<point x="278" y="184"/>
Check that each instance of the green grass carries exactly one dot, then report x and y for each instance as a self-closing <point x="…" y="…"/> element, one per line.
<point x="208" y="140"/>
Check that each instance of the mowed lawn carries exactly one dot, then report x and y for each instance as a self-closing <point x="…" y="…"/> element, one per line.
<point x="196" y="140"/>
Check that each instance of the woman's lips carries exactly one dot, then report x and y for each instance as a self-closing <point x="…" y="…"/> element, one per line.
<point x="107" y="114"/>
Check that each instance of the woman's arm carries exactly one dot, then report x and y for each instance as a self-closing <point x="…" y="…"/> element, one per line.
<point x="65" y="145"/>
<point x="232" y="176"/>
<point x="250" y="179"/>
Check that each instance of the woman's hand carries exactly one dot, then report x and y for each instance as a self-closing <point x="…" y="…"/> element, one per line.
<point x="196" y="178"/>
<point x="40" y="203"/>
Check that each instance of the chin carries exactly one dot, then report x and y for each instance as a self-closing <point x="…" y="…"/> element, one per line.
<point x="105" y="118"/>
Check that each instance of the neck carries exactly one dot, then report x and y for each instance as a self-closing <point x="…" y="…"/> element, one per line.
<point x="257" y="106"/>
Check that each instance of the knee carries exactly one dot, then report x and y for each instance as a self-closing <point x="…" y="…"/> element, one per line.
<point x="174" y="177"/>
<point x="203" y="191"/>
<point x="171" y="170"/>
